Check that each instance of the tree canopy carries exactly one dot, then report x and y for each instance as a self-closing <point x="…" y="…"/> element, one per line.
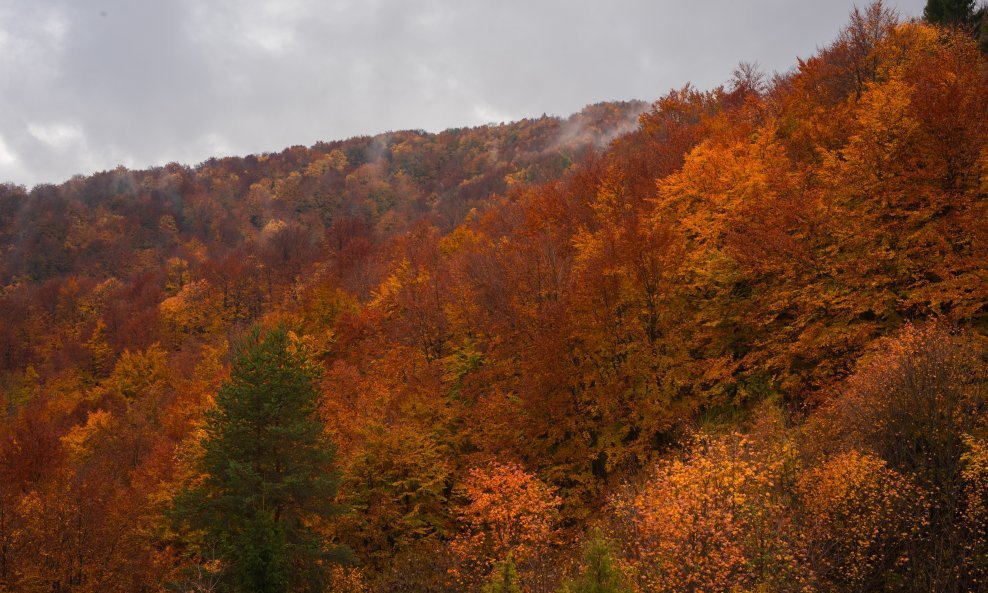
<point x="268" y="479"/>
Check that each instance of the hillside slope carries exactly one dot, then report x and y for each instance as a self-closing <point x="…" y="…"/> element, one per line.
<point x="739" y="346"/>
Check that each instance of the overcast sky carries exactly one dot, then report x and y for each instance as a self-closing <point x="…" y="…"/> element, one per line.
<point x="86" y="85"/>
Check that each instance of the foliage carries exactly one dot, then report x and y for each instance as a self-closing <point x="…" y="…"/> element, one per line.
<point x="510" y="514"/>
<point x="504" y="579"/>
<point x="863" y="520"/>
<point x="914" y="402"/>
<point x="742" y="328"/>
<point x="713" y="521"/>
<point x="599" y="572"/>
<point x="949" y="12"/>
<point x="267" y="470"/>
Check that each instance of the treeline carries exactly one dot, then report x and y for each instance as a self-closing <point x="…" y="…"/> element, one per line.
<point x="253" y="225"/>
<point x="740" y="347"/>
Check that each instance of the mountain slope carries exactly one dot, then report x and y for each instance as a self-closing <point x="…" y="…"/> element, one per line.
<point x="744" y="339"/>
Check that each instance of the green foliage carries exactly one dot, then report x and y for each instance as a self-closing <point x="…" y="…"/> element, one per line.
<point x="504" y="579"/>
<point x="395" y="488"/>
<point x="600" y="573"/>
<point x="461" y="362"/>
<point x="982" y="28"/>
<point x="268" y="470"/>
<point x="949" y="12"/>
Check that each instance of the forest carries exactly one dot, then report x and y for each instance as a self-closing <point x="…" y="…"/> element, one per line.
<point x="734" y="340"/>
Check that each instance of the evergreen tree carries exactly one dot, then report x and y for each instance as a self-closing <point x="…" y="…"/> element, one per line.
<point x="504" y="579"/>
<point x="268" y="471"/>
<point x="982" y="29"/>
<point x="600" y="573"/>
<point x="949" y="12"/>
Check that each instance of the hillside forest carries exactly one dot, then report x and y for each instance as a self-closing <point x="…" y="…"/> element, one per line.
<point x="734" y="340"/>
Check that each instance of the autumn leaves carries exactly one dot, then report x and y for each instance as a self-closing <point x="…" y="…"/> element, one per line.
<point x="741" y="349"/>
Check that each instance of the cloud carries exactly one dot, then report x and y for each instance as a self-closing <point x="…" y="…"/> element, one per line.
<point x="7" y="158"/>
<point x="58" y="136"/>
<point x="89" y="84"/>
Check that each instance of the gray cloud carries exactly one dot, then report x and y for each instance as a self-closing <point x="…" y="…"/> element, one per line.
<point x="86" y="85"/>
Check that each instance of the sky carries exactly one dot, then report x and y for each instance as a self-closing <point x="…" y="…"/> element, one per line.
<point x="87" y="85"/>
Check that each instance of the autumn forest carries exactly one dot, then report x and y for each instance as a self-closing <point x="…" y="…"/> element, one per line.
<point x="735" y="340"/>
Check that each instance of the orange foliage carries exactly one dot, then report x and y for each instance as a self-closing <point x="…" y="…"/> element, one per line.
<point x="862" y="522"/>
<point x="509" y="512"/>
<point x="576" y="295"/>
<point x="714" y="521"/>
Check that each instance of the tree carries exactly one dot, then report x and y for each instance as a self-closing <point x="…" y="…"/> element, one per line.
<point x="715" y="520"/>
<point x="860" y="519"/>
<point x="268" y="471"/>
<point x="913" y="402"/>
<point x="395" y="487"/>
<point x="600" y="574"/>
<point x="982" y="28"/>
<point x="949" y="12"/>
<point x="855" y="48"/>
<point x="504" y="579"/>
<point x="511" y="513"/>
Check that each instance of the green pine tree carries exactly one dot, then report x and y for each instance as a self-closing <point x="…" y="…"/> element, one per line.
<point x="268" y="471"/>
<point x="600" y="572"/>
<point x="504" y="579"/>
<point x="949" y="12"/>
<point x="982" y="29"/>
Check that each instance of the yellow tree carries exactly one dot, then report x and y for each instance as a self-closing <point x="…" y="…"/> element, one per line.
<point x="862" y="521"/>
<point x="714" y="521"/>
